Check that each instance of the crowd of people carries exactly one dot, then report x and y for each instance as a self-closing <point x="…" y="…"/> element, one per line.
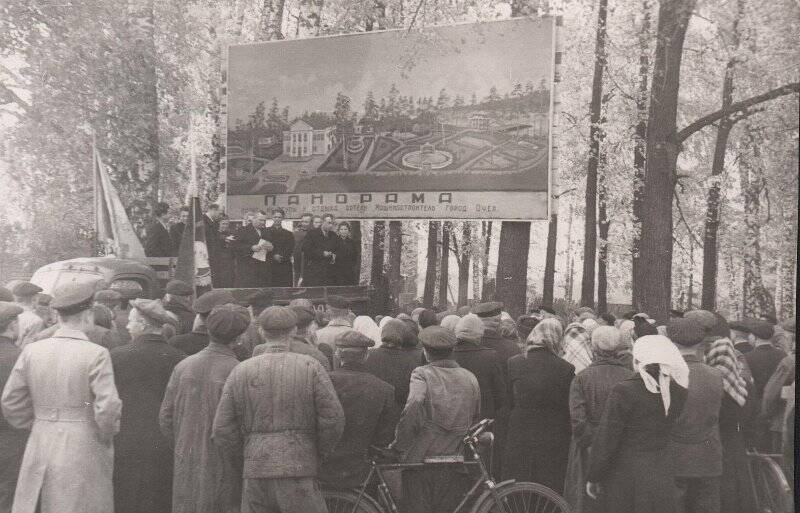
<point x="319" y="252"/>
<point x="208" y="405"/>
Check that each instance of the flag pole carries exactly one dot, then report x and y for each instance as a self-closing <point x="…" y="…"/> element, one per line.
<point x="95" y="213"/>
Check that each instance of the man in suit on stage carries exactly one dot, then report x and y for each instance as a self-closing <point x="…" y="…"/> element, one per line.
<point x="255" y="254"/>
<point x="159" y="242"/>
<point x="283" y="246"/>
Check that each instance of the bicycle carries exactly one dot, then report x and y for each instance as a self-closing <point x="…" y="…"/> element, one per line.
<point x="485" y="495"/>
<point x="772" y="490"/>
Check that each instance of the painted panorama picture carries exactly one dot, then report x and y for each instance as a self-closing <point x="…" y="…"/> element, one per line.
<point x="450" y="122"/>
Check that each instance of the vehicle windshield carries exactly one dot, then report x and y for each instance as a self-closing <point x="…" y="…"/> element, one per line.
<point x="51" y="278"/>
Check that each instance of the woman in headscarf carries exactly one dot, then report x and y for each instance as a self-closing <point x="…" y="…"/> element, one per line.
<point x="537" y="442"/>
<point x="367" y="327"/>
<point x="630" y="465"/>
<point x="450" y="322"/>
<point x="587" y="400"/>
<point x="396" y="358"/>
<point x="736" y="492"/>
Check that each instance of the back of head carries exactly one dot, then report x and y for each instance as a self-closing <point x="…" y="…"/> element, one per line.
<point x="103" y="316"/>
<point x="469" y="329"/>
<point x="607" y="339"/>
<point x="427" y="318"/>
<point x="685" y="332"/>
<point x="397" y="333"/>
<point x="226" y="322"/>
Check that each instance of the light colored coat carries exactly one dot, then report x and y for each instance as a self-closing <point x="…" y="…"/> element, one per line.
<point x="29" y="325"/>
<point x="62" y="389"/>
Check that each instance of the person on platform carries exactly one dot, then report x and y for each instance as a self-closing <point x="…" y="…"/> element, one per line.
<point x="280" y="409"/>
<point x="211" y="220"/>
<point x="694" y="439"/>
<point x="444" y="400"/>
<point x="206" y="479"/>
<point x="178" y="299"/>
<point x="537" y="441"/>
<point x="283" y="247"/>
<point x="347" y="265"/>
<point x="197" y="339"/>
<point x="223" y="271"/>
<point x="631" y="466"/>
<point x="396" y="358"/>
<point x="29" y="323"/>
<point x="143" y="456"/>
<point x="72" y="414"/>
<point x="319" y="254"/>
<point x="253" y="264"/>
<point x="176" y="230"/>
<point x="281" y="338"/>
<point x="338" y="311"/>
<point x="762" y="361"/>
<point x="12" y="440"/>
<point x="300" y="232"/>
<point x="158" y="242"/>
<point x="370" y="413"/>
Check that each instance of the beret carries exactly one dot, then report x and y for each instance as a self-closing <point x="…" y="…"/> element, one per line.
<point x="6" y="295"/>
<point x="426" y="318"/>
<point x="178" y="288"/>
<point x="44" y="299"/>
<point x="261" y="299"/>
<point x="26" y="289"/>
<point x="212" y="298"/>
<point x="107" y="296"/>
<point x="352" y="338"/>
<point x="9" y="311"/>
<point x="436" y="337"/>
<point x="490" y="309"/>
<point x="706" y="319"/>
<point x="277" y="318"/>
<point x="304" y="315"/>
<point x="337" y="302"/>
<point x="761" y="329"/>
<point x="470" y="328"/>
<point x="739" y="326"/>
<point x="788" y="325"/>
<point x="525" y="324"/>
<point x="226" y="322"/>
<point x="154" y="310"/>
<point x="73" y="295"/>
<point x="685" y="332"/>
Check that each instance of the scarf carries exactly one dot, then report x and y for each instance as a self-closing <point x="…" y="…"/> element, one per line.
<point x="547" y="335"/>
<point x="659" y="349"/>
<point x="721" y="355"/>
<point x="577" y="346"/>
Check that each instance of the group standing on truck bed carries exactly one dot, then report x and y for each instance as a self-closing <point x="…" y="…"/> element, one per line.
<point x="251" y="407"/>
<point x="319" y="252"/>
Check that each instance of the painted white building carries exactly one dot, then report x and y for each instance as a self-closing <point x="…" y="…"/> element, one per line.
<point x="303" y="140"/>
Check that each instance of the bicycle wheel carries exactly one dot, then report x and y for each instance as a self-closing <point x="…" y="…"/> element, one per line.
<point x="524" y="498"/>
<point x="773" y="493"/>
<point x="347" y="501"/>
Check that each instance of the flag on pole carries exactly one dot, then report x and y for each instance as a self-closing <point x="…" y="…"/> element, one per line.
<point x="112" y="226"/>
<point x="193" y="267"/>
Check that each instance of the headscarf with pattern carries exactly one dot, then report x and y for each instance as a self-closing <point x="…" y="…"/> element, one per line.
<point x="547" y="334"/>
<point x="722" y="355"/>
<point x="577" y="346"/>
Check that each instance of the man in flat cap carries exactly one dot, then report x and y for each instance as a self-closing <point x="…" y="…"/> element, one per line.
<point x="278" y="331"/>
<point x="206" y="479"/>
<point x="72" y="414"/>
<point x="443" y="402"/>
<point x="178" y="299"/>
<point x="194" y="341"/>
<point x="339" y="313"/>
<point x="256" y="303"/>
<point x="143" y="462"/>
<point x="113" y="299"/>
<point x="29" y="323"/>
<point x="280" y="408"/>
<point x="370" y="413"/>
<point x="694" y="438"/>
<point x="12" y="440"/>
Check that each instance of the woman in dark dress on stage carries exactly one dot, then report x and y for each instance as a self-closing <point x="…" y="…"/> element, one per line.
<point x="346" y="267"/>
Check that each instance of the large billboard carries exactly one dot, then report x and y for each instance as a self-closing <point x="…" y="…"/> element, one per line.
<point x="451" y="122"/>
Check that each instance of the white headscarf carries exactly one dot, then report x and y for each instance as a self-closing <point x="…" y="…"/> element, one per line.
<point x="659" y="349"/>
<point x="367" y="327"/>
<point x="384" y="321"/>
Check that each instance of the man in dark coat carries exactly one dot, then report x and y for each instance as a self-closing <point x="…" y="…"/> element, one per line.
<point x="197" y="339"/>
<point x="206" y="479"/>
<point x="370" y="413"/>
<point x="396" y="358"/>
<point x="12" y="441"/>
<point x="223" y="271"/>
<point x="282" y="340"/>
<point x="694" y="439"/>
<point x="282" y="248"/>
<point x="177" y="299"/>
<point x="319" y="254"/>
<point x="347" y="266"/>
<point x="762" y="360"/>
<point x="247" y="341"/>
<point x="281" y="410"/>
<point x="143" y="456"/>
<point x="214" y="244"/>
<point x="158" y="242"/>
<point x="252" y="267"/>
<point x="300" y="233"/>
<point x="176" y="230"/>
<point x="481" y="361"/>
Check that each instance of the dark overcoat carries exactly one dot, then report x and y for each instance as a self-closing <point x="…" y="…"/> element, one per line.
<point x="630" y="454"/>
<point x="587" y="400"/>
<point x="317" y="270"/>
<point x="158" y="242"/>
<point x="142" y="455"/>
<point x="223" y="263"/>
<point x="736" y="490"/>
<point x="297" y="255"/>
<point x="537" y="443"/>
<point x="251" y="273"/>
<point x="486" y="365"/>
<point x="346" y="268"/>
<point x="370" y="416"/>
<point x="184" y="314"/>
<point x="176" y="233"/>
<point x="394" y="365"/>
<point x="12" y="440"/>
<point x="192" y="342"/>
<point x="283" y="243"/>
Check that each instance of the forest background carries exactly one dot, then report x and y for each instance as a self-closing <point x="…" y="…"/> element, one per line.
<point x="676" y="144"/>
